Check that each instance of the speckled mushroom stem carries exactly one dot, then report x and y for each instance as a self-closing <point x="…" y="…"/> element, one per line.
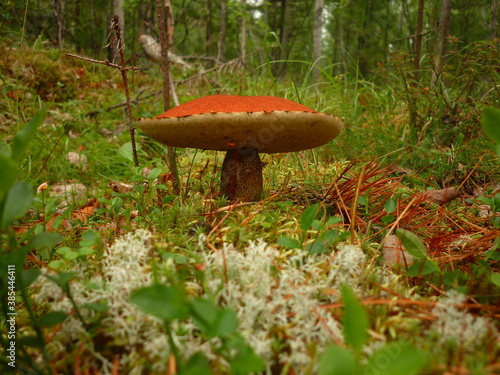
<point x="241" y="176"/>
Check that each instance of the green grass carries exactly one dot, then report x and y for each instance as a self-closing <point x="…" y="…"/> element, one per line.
<point x="296" y="295"/>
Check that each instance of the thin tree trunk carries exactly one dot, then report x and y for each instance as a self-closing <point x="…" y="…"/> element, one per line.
<point x="443" y="30"/>
<point x="317" y="37"/>
<point x="494" y="19"/>
<point x="163" y="9"/>
<point x="208" y="27"/>
<point x="58" y="8"/>
<point x="284" y="35"/>
<point x="222" y="31"/>
<point x="416" y="68"/>
<point x="117" y="10"/>
<point x="243" y="41"/>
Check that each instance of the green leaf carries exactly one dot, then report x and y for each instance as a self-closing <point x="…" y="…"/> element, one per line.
<point x="316" y="247"/>
<point x="396" y="358"/>
<point x="29" y="276"/>
<point x="126" y="151"/>
<point x="495" y="278"/>
<point x="308" y="216"/>
<point x="422" y="268"/>
<point x="9" y="172"/>
<point x="212" y="320"/>
<point x="412" y="243"/>
<point x="337" y="361"/>
<point x="165" y="302"/>
<point x="246" y="361"/>
<point x="390" y="206"/>
<point x="197" y="364"/>
<point x="289" y="242"/>
<point x="52" y="318"/>
<point x="89" y="238"/>
<point x="24" y="136"/>
<point x="154" y="173"/>
<point x="45" y="240"/>
<point x="491" y="123"/>
<point x="332" y="220"/>
<point x="354" y="320"/>
<point x="5" y="149"/>
<point x="17" y="202"/>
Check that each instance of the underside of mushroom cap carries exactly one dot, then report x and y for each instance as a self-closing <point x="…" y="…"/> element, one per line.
<point x="223" y="122"/>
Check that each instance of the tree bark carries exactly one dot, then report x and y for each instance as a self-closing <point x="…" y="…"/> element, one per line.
<point x="317" y="37"/>
<point x="58" y="8"/>
<point x="443" y="30"/>
<point x="494" y="20"/>
<point x="163" y="8"/>
<point x="243" y="40"/>
<point x="117" y="10"/>
<point x="222" y="31"/>
<point x="416" y="69"/>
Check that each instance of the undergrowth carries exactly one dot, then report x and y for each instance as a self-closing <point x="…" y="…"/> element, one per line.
<point x="114" y="273"/>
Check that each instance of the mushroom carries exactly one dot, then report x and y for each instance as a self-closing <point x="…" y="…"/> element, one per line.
<point x="243" y="126"/>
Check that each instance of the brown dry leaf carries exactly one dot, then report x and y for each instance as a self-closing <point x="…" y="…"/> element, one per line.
<point x="393" y="251"/>
<point x="120" y="187"/>
<point x="442" y="196"/>
<point x="77" y="159"/>
<point x="85" y="212"/>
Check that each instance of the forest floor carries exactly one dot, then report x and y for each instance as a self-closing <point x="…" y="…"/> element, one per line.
<point x="312" y="279"/>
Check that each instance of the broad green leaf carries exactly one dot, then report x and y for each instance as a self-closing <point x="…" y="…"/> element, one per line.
<point x="212" y="320"/>
<point x="422" y="268"/>
<point x="246" y="361"/>
<point x="308" y="216"/>
<point x="126" y="151"/>
<point x="165" y="302"/>
<point x="5" y="149"/>
<point x="289" y="242"/>
<point x="390" y="206"/>
<point x="154" y="173"/>
<point x="52" y="318"/>
<point x="337" y="361"/>
<point x="412" y="243"/>
<point x="45" y="240"/>
<point x="17" y="202"/>
<point x="316" y="247"/>
<point x="332" y="220"/>
<point x="396" y="358"/>
<point x="9" y="172"/>
<point x="354" y="320"/>
<point x="24" y="136"/>
<point x="29" y="276"/>
<point x="491" y="123"/>
<point x="495" y="278"/>
<point x="197" y="364"/>
<point x="89" y="238"/>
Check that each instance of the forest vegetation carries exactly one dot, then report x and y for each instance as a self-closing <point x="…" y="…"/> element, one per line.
<point x="377" y="253"/>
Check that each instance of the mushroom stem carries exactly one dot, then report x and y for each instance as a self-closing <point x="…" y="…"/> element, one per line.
<point x="241" y="175"/>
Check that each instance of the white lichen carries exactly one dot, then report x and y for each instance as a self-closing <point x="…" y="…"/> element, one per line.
<point x="454" y="324"/>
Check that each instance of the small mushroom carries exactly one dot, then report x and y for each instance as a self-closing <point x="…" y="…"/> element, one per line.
<point x="243" y="126"/>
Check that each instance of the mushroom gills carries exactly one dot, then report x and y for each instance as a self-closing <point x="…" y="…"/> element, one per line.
<point x="241" y="175"/>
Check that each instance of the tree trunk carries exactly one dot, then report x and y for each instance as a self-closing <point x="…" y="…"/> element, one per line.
<point x="416" y="69"/>
<point x="163" y="8"/>
<point x="317" y="37"/>
<point x="443" y="30"/>
<point x="494" y="20"/>
<point x="208" y="27"/>
<point x="222" y="31"/>
<point x="58" y="8"/>
<point x="243" y="40"/>
<point x="118" y="10"/>
<point x="286" y="16"/>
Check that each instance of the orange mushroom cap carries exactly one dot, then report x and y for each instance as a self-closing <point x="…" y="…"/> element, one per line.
<point x="221" y="122"/>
